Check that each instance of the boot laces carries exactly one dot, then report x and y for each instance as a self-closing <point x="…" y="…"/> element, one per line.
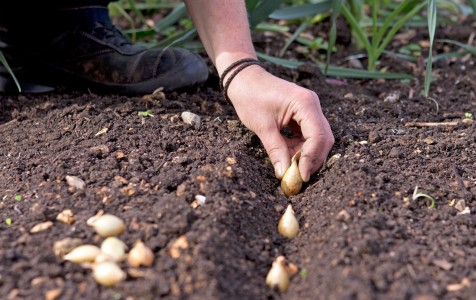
<point x="109" y="33"/>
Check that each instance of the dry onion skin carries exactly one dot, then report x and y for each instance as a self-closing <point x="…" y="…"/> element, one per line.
<point x="288" y="225"/>
<point x="140" y="255"/>
<point x="278" y="277"/>
<point x="291" y="183"/>
<point x="108" y="273"/>
<point x="107" y="225"/>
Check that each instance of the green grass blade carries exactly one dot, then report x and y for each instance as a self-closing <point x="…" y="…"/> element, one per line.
<point x="375" y="9"/>
<point x="466" y="47"/>
<point x="295" y="35"/>
<point x="336" y="71"/>
<point x="176" y="39"/>
<point x="301" y="11"/>
<point x="472" y="3"/>
<point x="390" y="19"/>
<point x="431" y="32"/>
<point x="172" y="18"/>
<point x="357" y="8"/>
<point x="117" y="8"/>
<point x="336" y="6"/>
<point x="454" y="54"/>
<point x="361" y="35"/>
<point x="262" y="11"/>
<point x="251" y="4"/>
<point x="137" y="12"/>
<point x="291" y="64"/>
<point x="4" y="62"/>
<point x="270" y="27"/>
<point x="396" y="27"/>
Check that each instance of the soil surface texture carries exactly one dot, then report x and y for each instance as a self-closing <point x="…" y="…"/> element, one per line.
<point x="362" y="235"/>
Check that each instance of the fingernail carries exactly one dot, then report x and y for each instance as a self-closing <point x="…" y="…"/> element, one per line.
<point x="278" y="170"/>
<point x="306" y="177"/>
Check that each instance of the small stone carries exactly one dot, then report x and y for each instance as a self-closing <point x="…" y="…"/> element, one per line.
<point x="181" y="189"/>
<point x="374" y="136"/>
<point x="465" y="211"/>
<point x="228" y="172"/>
<point x="137" y="273"/>
<point x="120" y="154"/>
<point x="66" y="216"/>
<point x="428" y="141"/>
<point x="424" y="297"/>
<point x="279" y="208"/>
<point x="102" y="131"/>
<point x="99" y="150"/>
<point x="458" y="286"/>
<point x="39" y="280"/>
<point x="460" y="205"/>
<point x="121" y="180"/>
<point x="75" y="182"/>
<point x="343" y="215"/>
<point x="53" y="294"/>
<point x="41" y="227"/>
<point x="64" y="246"/>
<point x="176" y="246"/>
<point x="394" y="153"/>
<point x="333" y="159"/>
<point x="443" y="263"/>
<point x="231" y="161"/>
<point x="128" y="190"/>
<point x="392" y="97"/>
<point x="201" y="199"/>
<point x="191" y="119"/>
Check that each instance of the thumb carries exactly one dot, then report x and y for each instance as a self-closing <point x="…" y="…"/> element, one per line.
<point x="277" y="150"/>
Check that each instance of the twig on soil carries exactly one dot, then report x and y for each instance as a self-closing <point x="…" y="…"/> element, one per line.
<point x="430" y="124"/>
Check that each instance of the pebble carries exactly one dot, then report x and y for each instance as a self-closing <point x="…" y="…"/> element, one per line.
<point x="191" y="118"/>
<point x="75" y="182"/>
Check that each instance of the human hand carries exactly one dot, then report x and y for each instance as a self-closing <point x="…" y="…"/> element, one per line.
<point x="266" y="104"/>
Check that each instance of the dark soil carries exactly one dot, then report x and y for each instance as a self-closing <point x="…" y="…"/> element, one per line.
<point x="362" y="236"/>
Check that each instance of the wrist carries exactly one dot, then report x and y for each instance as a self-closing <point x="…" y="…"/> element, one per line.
<point x="234" y="70"/>
<point x="223" y="61"/>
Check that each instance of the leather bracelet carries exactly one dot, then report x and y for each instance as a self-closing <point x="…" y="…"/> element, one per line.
<point x="238" y="65"/>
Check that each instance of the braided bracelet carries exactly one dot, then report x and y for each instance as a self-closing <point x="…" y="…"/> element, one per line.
<point x="239" y="65"/>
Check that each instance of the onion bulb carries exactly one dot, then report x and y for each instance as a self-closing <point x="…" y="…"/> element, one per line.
<point x="277" y="276"/>
<point x="288" y="225"/>
<point x="291" y="183"/>
<point x="108" y="273"/>
<point x="115" y="248"/>
<point x="139" y="255"/>
<point x="107" y="225"/>
<point x="83" y="254"/>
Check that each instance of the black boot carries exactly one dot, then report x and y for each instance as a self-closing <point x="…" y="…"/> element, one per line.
<point x="92" y="54"/>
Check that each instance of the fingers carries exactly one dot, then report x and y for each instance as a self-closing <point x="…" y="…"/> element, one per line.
<point x="317" y="134"/>
<point x="277" y="150"/>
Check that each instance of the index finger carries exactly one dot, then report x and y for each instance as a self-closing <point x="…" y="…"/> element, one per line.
<point x="317" y="134"/>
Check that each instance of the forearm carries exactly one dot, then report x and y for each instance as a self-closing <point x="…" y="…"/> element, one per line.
<point x="223" y="29"/>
